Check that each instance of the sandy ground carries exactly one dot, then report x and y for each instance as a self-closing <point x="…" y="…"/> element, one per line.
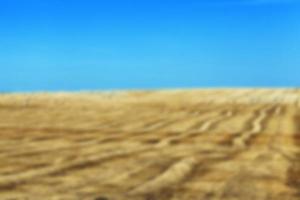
<point x="157" y="145"/>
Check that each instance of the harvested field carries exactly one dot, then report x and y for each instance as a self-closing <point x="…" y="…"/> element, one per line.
<point x="220" y="144"/>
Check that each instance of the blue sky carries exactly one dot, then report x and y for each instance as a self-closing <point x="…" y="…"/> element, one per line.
<point x="55" y="45"/>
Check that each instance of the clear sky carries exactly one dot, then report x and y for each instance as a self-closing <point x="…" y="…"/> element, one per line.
<point x="55" y="45"/>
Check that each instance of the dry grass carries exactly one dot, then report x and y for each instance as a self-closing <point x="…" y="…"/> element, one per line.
<point x="156" y="145"/>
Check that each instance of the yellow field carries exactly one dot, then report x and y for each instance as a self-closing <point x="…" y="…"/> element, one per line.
<point x="158" y="145"/>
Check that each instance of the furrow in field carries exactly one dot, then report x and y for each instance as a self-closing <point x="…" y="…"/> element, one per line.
<point x="152" y="121"/>
<point x="293" y="172"/>
<point x="206" y="185"/>
<point x="13" y="180"/>
<point x="207" y="125"/>
<point x="174" y="174"/>
<point x="266" y="163"/>
<point x="257" y="126"/>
